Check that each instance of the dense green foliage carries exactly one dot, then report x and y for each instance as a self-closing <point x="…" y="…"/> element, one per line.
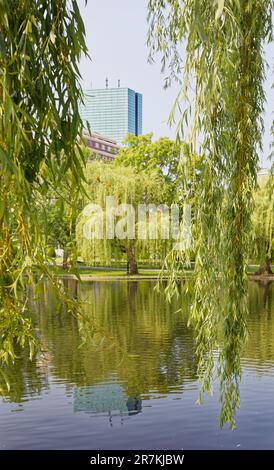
<point x="125" y="185"/>
<point x="39" y="127"/>
<point x="216" y="50"/>
<point x="161" y="156"/>
<point x="263" y="225"/>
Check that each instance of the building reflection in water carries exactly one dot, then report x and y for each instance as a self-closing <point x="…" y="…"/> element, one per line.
<point x="108" y="399"/>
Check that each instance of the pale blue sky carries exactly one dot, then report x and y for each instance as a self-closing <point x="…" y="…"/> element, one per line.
<point x="116" y="38"/>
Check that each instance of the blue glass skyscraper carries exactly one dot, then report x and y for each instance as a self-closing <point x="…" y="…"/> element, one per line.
<point x="113" y="112"/>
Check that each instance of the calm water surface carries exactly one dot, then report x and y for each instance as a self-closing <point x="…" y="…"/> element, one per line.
<point x="98" y="397"/>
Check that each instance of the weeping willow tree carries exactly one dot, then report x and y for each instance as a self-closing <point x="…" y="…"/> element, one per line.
<point x="263" y="226"/>
<point x="215" y="50"/>
<point x="40" y="47"/>
<point x="129" y="187"/>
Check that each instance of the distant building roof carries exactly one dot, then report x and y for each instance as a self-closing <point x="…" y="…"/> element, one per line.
<point x="102" y="148"/>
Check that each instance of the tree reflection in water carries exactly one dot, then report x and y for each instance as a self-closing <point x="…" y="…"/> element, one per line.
<point x="156" y="353"/>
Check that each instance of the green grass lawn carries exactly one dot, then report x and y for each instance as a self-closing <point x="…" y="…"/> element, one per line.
<point x="117" y="273"/>
<point x="112" y="273"/>
<point x="106" y="272"/>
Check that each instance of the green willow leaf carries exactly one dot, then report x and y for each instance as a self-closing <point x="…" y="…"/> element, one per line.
<point x="40" y="125"/>
<point x="220" y="9"/>
<point x="222" y="100"/>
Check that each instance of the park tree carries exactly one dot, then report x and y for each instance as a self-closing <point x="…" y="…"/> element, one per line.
<point x="263" y="226"/>
<point x="58" y="207"/>
<point x="125" y="185"/>
<point x="215" y="50"/>
<point x="39" y="126"/>
<point x="161" y="156"/>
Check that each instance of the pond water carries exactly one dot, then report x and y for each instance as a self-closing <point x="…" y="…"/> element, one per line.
<point x="99" y="397"/>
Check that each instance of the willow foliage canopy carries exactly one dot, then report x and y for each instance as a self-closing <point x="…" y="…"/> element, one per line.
<point x="128" y="189"/>
<point x="263" y="225"/>
<point x="39" y="126"/>
<point x="215" y="50"/>
<point x="161" y="155"/>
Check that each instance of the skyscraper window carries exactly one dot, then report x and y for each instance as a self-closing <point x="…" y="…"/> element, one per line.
<point x="113" y="112"/>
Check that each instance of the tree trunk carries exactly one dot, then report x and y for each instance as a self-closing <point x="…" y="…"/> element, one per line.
<point x="265" y="269"/>
<point x="132" y="263"/>
<point x="65" y="259"/>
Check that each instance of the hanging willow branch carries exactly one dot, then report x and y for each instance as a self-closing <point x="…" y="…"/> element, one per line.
<point x="40" y="47"/>
<point x="216" y="49"/>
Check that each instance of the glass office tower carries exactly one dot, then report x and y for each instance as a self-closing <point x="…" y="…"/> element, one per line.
<point x="113" y="112"/>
